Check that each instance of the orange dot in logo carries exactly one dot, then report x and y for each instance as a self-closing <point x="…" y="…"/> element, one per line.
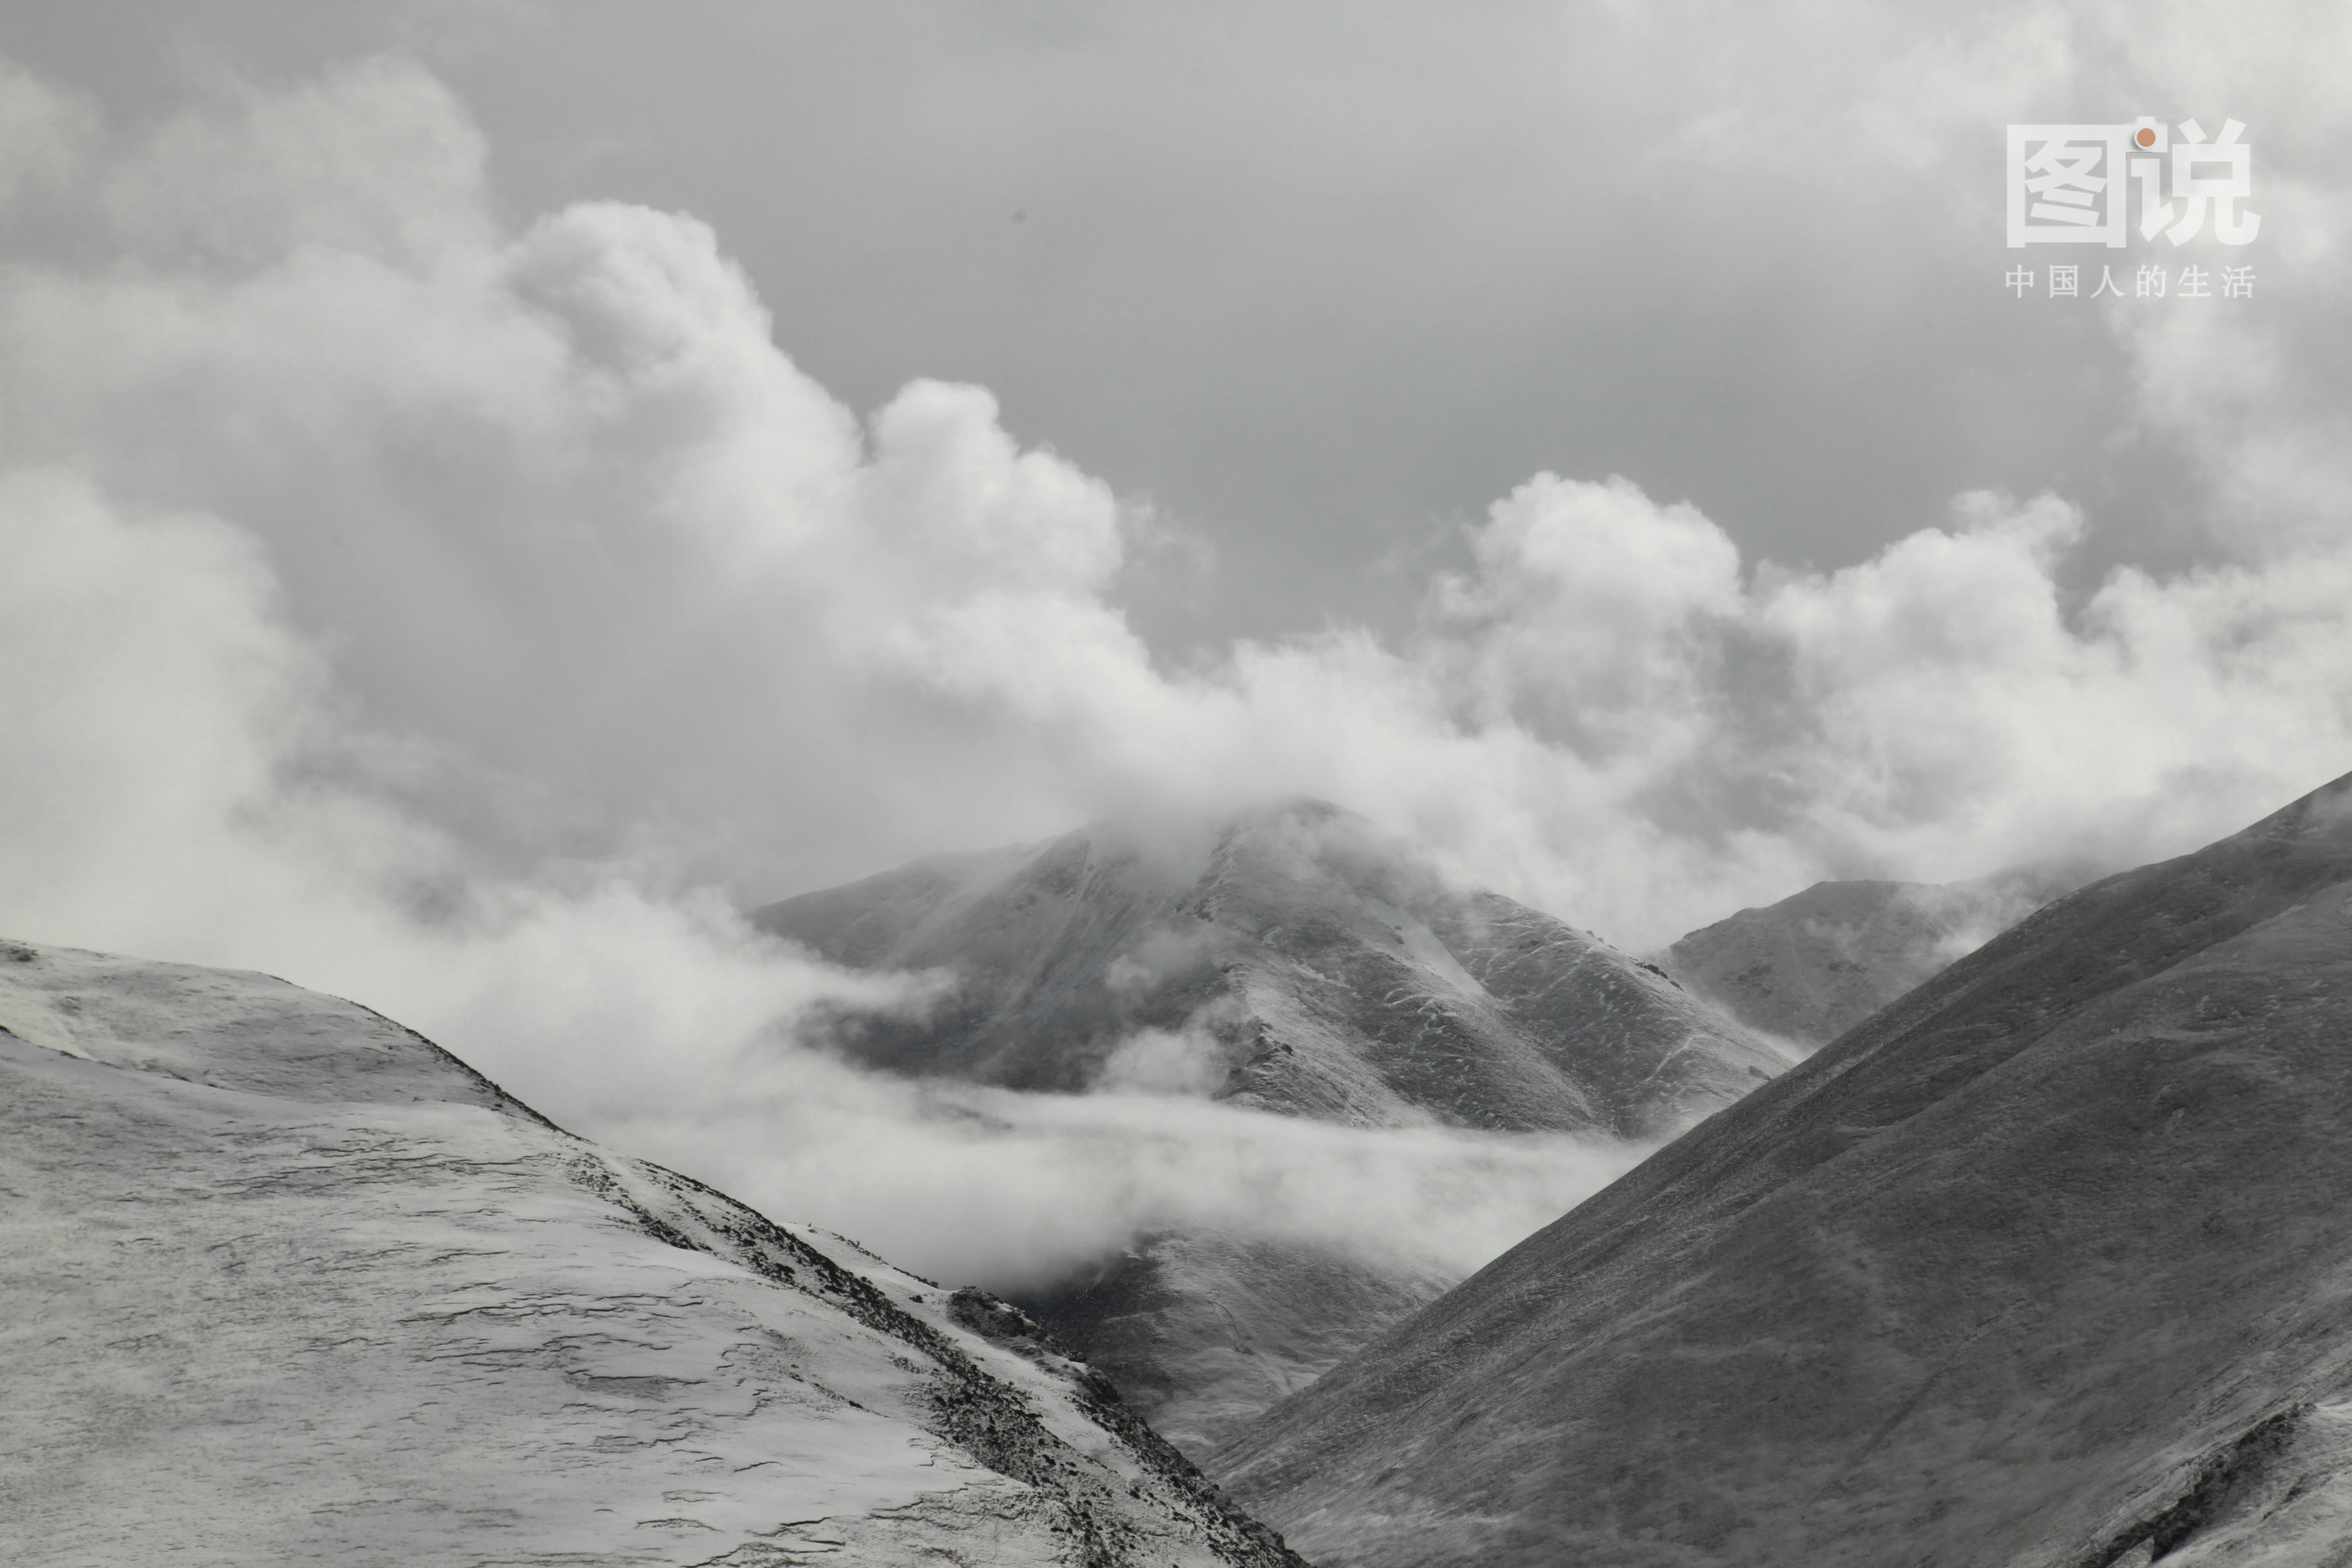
<point x="2147" y="137"/>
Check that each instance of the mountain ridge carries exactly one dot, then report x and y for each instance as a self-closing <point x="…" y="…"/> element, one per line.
<point x="1812" y="966"/>
<point x="1291" y="960"/>
<point x="1277" y="925"/>
<point x="289" y="1283"/>
<point x="1827" y="1326"/>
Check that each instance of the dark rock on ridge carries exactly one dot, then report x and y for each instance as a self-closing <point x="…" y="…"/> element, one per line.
<point x="2043" y="1265"/>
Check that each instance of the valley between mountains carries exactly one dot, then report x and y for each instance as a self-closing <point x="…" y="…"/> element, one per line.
<point x="1288" y="960"/>
<point x="2043" y="1266"/>
<point x="1291" y="960"/>
<point x="2038" y="1261"/>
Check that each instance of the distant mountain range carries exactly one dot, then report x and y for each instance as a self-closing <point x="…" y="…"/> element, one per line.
<point x="1290" y="960"/>
<point x="1813" y="965"/>
<point x="285" y="1284"/>
<point x="2040" y="1263"/>
<point x="2043" y="1265"/>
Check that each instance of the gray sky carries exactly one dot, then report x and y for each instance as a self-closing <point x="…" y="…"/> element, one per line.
<point x="1322" y="281"/>
<point x="1297" y="295"/>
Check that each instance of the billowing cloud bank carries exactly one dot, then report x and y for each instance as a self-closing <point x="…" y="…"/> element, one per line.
<point x="437" y="613"/>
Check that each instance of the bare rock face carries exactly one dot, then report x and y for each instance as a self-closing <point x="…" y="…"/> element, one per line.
<point x="2044" y="1265"/>
<point x="1293" y="961"/>
<point x="285" y="1283"/>
<point x="1813" y="965"/>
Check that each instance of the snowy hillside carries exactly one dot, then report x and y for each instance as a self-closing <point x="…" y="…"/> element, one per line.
<point x="1314" y="967"/>
<point x="287" y="1284"/>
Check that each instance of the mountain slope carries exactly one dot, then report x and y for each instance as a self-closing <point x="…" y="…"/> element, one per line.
<point x="287" y="1284"/>
<point x="2043" y="1265"/>
<point x="1324" y="971"/>
<point x="1813" y="965"/>
<point x="1287" y="960"/>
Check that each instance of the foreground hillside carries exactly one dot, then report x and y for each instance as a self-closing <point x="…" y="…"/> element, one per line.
<point x="287" y="1284"/>
<point x="1289" y="960"/>
<point x="2046" y="1264"/>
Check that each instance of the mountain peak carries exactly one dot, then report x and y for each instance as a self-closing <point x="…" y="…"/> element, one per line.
<point x="1290" y="959"/>
<point x="1322" y="968"/>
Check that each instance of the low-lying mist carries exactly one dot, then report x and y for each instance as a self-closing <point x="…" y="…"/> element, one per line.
<point x="1016" y="1191"/>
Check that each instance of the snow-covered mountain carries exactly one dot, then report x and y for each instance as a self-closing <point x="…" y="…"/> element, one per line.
<point x="284" y="1283"/>
<point x="1291" y="960"/>
<point x="1813" y="965"/>
<point x="2043" y="1267"/>
<point x="1323" y="970"/>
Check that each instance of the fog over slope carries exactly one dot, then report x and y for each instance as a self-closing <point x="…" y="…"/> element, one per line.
<point x="1287" y="960"/>
<point x="2042" y="1266"/>
<point x="287" y="1284"/>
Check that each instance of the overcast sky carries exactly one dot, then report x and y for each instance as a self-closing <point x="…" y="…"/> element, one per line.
<point x="485" y="487"/>
<point x="1289" y="300"/>
<point x="1322" y="281"/>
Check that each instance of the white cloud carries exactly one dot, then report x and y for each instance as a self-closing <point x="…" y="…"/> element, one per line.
<point x="437" y="614"/>
<point x="379" y="160"/>
<point x="43" y="133"/>
<point x="1013" y="1190"/>
<point x="1162" y="1061"/>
